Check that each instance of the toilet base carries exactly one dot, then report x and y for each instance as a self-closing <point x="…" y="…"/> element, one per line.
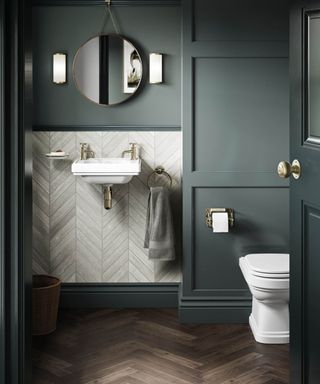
<point x="270" y="323"/>
<point x="268" y="337"/>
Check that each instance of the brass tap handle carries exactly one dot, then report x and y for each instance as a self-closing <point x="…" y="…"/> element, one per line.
<point x="85" y="153"/>
<point x="82" y="151"/>
<point x="285" y="169"/>
<point x="134" y="152"/>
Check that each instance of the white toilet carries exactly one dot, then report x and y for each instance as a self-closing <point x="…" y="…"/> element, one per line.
<point x="267" y="275"/>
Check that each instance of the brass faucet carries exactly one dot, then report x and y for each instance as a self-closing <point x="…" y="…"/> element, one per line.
<point x="84" y="151"/>
<point x="133" y="151"/>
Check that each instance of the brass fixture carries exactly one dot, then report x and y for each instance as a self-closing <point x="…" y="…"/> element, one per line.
<point x="133" y="151"/>
<point x="210" y="211"/>
<point x="159" y="170"/>
<point x="107" y="193"/>
<point x="285" y="169"/>
<point x="84" y="151"/>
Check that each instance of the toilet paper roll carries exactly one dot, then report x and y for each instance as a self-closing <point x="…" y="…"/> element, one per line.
<point x="220" y="222"/>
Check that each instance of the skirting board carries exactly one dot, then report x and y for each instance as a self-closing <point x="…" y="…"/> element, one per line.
<point x="214" y="312"/>
<point x="135" y="295"/>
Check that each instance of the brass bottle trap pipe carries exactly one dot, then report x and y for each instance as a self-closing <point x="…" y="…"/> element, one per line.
<point x="107" y="197"/>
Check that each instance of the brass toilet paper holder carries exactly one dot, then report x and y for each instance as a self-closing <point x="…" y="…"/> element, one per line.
<point x="209" y="212"/>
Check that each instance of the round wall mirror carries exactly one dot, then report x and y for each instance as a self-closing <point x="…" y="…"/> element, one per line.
<point x="107" y="69"/>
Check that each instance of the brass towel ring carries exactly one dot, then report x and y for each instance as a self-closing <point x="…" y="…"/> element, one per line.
<point x="160" y="171"/>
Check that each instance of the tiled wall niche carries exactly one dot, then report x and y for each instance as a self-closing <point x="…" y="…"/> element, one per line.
<point x="74" y="237"/>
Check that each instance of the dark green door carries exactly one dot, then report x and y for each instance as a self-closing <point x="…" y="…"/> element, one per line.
<point x="305" y="193"/>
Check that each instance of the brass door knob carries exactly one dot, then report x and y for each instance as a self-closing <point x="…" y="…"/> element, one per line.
<point x="286" y="169"/>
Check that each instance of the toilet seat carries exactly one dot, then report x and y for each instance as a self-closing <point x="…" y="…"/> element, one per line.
<point x="269" y="264"/>
<point x="268" y="271"/>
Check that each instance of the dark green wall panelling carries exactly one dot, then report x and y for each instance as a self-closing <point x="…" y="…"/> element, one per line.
<point x="118" y="3"/>
<point x="261" y="224"/>
<point x="241" y="20"/>
<point x="106" y="127"/>
<point x="152" y="29"/>
<point x="247" y="102"/>
<point x="235" y="131"/>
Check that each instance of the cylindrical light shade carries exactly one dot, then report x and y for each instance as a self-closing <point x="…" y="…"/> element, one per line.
<point x="59" y="68"/>
<point x="155" y="68"/>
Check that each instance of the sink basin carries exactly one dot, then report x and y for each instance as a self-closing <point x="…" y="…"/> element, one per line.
<point x="107" y="170"/>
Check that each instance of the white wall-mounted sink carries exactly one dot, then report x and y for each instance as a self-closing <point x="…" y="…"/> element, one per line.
<point x="106" y="170"/>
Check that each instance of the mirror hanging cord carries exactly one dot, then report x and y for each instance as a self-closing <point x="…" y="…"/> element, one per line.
<point x="109" y="13"/>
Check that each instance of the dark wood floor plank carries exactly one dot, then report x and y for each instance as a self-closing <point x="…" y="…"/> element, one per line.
<point x="149" y="346"/>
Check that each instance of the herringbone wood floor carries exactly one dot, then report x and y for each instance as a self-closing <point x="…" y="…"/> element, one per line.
<point x="151" y="347"/>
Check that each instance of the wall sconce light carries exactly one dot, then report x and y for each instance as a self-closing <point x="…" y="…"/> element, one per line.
<point x="59" y="68"/>
<point x="155" y="68"/>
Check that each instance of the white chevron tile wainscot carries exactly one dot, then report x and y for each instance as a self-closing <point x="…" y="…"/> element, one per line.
<point x="41" y="203"/>
<point x="78" y="240"/>
<point x="89" y="209"/>
<point x="141" y="269"/>
<point x="63" y="209"/>
<point x="115" y="262"/>
<point x="93" y="139"/>
<point x="114" y="143"/>
<point x="115" y="259"/>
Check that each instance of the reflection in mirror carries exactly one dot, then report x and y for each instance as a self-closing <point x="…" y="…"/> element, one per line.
<point x="107" y="69"/>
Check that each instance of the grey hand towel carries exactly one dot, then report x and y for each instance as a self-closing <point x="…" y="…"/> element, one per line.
<point x="159" y="238"/>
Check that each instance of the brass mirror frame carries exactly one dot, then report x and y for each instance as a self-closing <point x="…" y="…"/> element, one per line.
<point x="74" y="61"/>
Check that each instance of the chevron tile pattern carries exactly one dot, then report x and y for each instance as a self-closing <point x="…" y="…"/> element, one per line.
<point x="89" y="209"/>
<point x="75" y="238"/>
<point x="114" y="143"/>
<point x="41" y="203"/>
<point x="151" y="347"/>
<point x="63" y="209"/>
<point x="115" y="260"/>
<point x="141" y="269"/>
<point x="93" y="139"/>
<point x="168" y="154"/>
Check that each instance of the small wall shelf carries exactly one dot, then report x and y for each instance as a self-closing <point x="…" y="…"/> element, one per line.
<point x="54" y="157"/>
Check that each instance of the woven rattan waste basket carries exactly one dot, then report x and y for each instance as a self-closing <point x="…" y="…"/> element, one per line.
<point x="45" y="304"/>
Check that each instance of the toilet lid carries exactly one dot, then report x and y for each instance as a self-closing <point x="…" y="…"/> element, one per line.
<point x="269" y="264"/>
